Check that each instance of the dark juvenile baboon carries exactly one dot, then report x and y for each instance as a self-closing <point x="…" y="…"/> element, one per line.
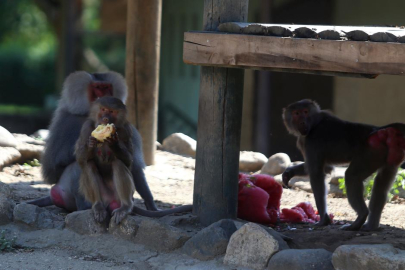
<point x="59" y="164"/>
<point x="106" y="179"/>
<point x="326" y="140"/>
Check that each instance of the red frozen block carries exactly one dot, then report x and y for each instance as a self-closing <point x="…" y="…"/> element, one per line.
<point x="309" y="210"/>
<point x="271" y="186"/>
<point x="252" y="202"/>
<point x="291" y="216"/>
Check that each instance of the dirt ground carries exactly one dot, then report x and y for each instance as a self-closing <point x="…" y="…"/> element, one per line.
<point x="171" y="182"/>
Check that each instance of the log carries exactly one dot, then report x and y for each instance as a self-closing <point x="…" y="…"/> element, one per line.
<point x="142" y="70"/>
<point x="305" y="55"/>
<point x="219" y="126"/>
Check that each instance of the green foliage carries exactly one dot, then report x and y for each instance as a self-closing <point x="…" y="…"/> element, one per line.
<point x="16" y="109"/>
<point x="32" y="163"/>
<point x="6" y="244"/>
<point x="399" y="183"/>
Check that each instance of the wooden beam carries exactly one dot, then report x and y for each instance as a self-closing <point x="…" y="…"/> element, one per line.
<point x="219" y="125"/>
<point x="302" y="55"/>
<point x="142" y="70"/>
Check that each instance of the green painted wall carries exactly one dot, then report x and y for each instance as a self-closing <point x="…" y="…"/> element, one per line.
<point x="179" y="83"/>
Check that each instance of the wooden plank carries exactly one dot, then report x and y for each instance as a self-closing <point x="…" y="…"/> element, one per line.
<point x="142" y="70"/>
<point x="219" y="126"/>
<point x="265" y="52"/>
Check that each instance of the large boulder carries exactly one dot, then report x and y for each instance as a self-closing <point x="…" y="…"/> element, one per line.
<point x="37" y="217"/>
<point x="211" y="241"/>
<point x="6" y="138"/>
<point x="83" y="222"/>
<point x="180" y="143"/>
<point x="251" y="246"/>
<point x="276" y="164"/>
<point x="8" y="155"/>
<point x="251" y="161"/>
<point x="6" y="210"/>
<point x="160" y="236"/>
<point x="370" y="257"/>
<point x="301" y="259"/>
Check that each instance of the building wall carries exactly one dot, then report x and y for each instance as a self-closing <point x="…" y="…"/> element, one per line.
<point x="377" y="101"/>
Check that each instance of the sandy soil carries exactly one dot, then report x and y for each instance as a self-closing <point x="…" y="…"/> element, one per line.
<point x="171" y="182"/>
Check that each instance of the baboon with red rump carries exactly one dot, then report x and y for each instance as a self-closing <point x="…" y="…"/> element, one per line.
<point x="106" y="180"/>
<point x="325" y="140"/>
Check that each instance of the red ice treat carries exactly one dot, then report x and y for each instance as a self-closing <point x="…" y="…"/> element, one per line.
<point x="274" y="215"/>
<point x="271" y="186"/>
<point x="309" y="210"/>
<point x="243" y="176"/>
<point x="291" y="215"/>
<point x="252" y="202"/>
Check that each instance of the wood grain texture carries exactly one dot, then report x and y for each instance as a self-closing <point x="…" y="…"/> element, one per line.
<point x="266" y="52"/>
<point x="142" y="70"/>
<point x="219" y="126"/>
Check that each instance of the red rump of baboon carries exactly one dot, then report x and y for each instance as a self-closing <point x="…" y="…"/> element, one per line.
<point x="390" y="139"/>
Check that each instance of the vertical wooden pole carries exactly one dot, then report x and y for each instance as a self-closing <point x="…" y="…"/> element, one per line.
<point x="142" y="70"/>
<point x="219" y="125"/>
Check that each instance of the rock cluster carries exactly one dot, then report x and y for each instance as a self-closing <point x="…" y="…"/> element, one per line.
<point x="18" y="148"/>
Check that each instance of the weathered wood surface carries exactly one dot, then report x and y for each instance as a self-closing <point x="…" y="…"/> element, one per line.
<point x="219" y="126"/>
<point x="276" y="53"/>
<point x="330" y="32"/>
<point x="142" y="70"/>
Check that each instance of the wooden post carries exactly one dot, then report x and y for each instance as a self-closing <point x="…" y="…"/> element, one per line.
<point x="142" y="70"/>
<point x="219" y="125"/>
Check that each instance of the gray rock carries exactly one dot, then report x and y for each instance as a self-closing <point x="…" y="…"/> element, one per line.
<point x="37" y="217"/>
<point x="251" y="246"/>
<point x="159" y="146"/>
<point x="180" y="143"/>
<point x="83" y="222"/>
<point x="6" y="138"/>
<point x="251" y="161"/>
<point x="23" y="138"/>
<point x="127" y="228"/>
<point x="276" y="164"/>
<point x="160" y="236"/>
<point x="301" y="259"/>
<point x="370" y="257"/>
<point x="281" y="238"/>
<point x="6" y="210"/>
<point x="29" y="151"/>
<point x="8" y="155"/>
<point x="41" y="133"/>
<point x="6" y="191"/>
<point x="338" y="172"/>
<point x="301" y="182"/>
<point x="211" y="241"/>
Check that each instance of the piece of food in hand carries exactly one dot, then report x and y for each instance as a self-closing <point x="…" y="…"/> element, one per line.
<point x="103" y="132"/>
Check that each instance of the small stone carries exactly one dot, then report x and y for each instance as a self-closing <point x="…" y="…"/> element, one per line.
<point x="160" y="236"/>
<point x="127" y="228"/>
<point x="251" y="161"/>
<point x="211" y="241"/>
<point x="41" y="133"/>
<point x="301" y="259"/>
<point x="8" y="155"/>
<point x="251" y="246"/>
<point x="6" y="210"/>
<point x="276" y="164"/>
<point x="180" y="143"/>
<point x="83" y="222"/>
<point x="6" y="138"/>
<point x="370" y="257"/>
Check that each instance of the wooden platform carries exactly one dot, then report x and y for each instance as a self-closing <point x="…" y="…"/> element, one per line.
<point x="293" y="54"/>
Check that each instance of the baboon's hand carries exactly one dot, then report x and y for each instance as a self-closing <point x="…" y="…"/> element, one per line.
<point x="92" y="142"/>
<point x="113" y="139"/>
